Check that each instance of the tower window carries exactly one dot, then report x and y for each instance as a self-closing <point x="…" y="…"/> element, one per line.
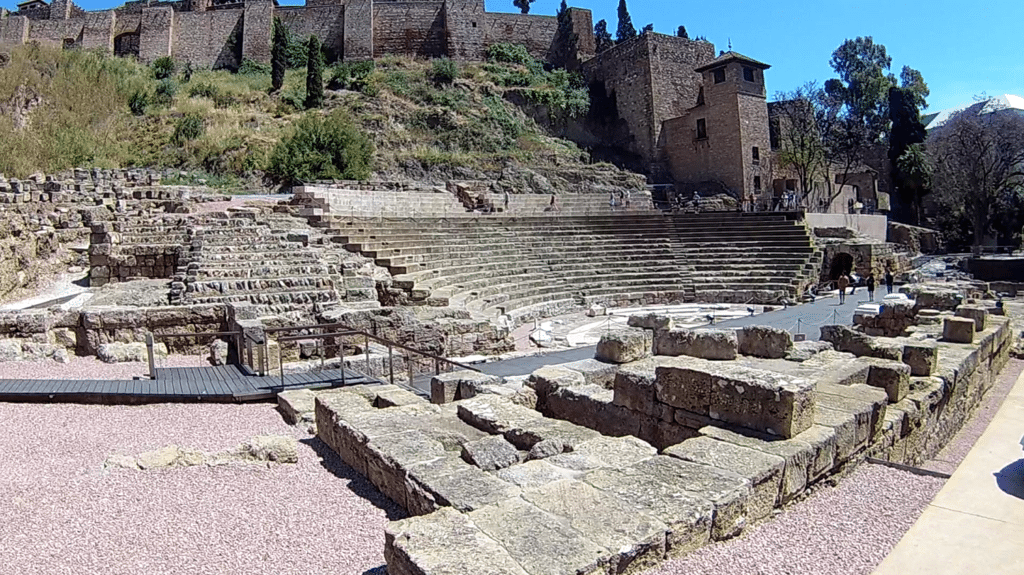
<point x="719" y="75"/>
<point x="702" y="129"/>
<point x="748" y="74"/>
<point x="756" y="154"/>
<point x="757" y="183"/>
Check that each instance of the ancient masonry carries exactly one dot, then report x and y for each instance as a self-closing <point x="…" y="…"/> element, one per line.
<point x="668" y="440"/>
<point x="667" y="106"/>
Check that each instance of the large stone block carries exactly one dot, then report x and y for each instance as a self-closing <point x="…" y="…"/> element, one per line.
<point x="490" y="453"/>
<point x="530" y="433"/>
<point x="549" y="379"/>
<point x="850" y="341"/>
<point x="764" y="341"/>
<point x="495" y="415"/>
<point x="892" y="376"/>
<point x="868" y="404"/>
<point x="975" y="312"/>
<point x="635" y="388"/>
<point x="444" y="542"/>
<point x="636" y="540"/>
<point x="651" y="321"/>
<point x="450" y="481"/>
<point x="922" y="357"/>
<point x="958" y="329"/>
<point x="797" y="454"/>
<point x="536" y="473"/>
<point x="624" y="346"/>
<point x="297" y="405"/>
<point x="760" y="400"/>
<point x="600" y="452"/>
<point x="764" y="471"/>
<point x="540" y="541"/>
<point x="594" y="372"/>
<point x="705" y="344"/>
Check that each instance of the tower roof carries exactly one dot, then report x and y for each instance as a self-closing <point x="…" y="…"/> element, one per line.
<point x="731" y="56"/>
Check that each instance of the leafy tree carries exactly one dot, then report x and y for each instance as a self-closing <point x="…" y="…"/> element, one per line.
<point x="681" y="32"/>
<point x="314" y="74"/>
<point x="321" y="147"/>
<point x="977" y="164"/>
<point x="912" y="82"/>
<point x="602" y="38"/>
<point x="863" y="84"/>
<point x="626" y="31"/>
<point x="909" y="174"/>
<point x="648" y="28"/>
<point x="278" y="55"/>
<point x="523" y="5"/>
<point x="797" y="137"/>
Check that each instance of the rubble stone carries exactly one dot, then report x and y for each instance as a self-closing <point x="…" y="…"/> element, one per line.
<point x="624" y="346"/>
<point x="490" y="453"/>
<point x="958" y="329"/>
<point x="764" y="341"/>
<point x="705" y="344"/>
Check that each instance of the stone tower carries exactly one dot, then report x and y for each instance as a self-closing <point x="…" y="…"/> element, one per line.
<point x="725" y="137"/>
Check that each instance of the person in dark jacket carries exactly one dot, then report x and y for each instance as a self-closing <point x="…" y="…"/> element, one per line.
<point x="871" y="286"/>
<point x="888" y="281"/>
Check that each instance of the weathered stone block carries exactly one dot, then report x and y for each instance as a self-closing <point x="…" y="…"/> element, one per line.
<point x="495" y="415"/>
<point x="764" y="471"/>
<point x="975" y="312"/>
<point x="892" y="376"/>
<point x="532" y="432"/>
<point x="536" y="473"/>
<point x="705" y="344"/>
<point x="922" y="357"/>
<point x="490" y="453"/>
<point x="651" y="321"/>
<point x="451" y="481"/>
<point x="797" y="454"/>
<point x="540" y="541"/>
<point x="866" y="403"/>
<point x="297" y="405"/>
<point x="845" y="425"/>
<point x="958" y="330"/>
<point x="464" y="384"/>
<point x="549" y="379"/>
<point x="624" y="346"/>
<point x="850" y="341"/>
<point x="635" y="388"/>
<point x="599" y="452"/>
<point x="764" y="341"/>
<point x="391" y="396"/>
<point x="444" y="542"/>
<point x="595" y="372"/>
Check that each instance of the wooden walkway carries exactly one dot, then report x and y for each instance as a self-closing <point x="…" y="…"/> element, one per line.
<point x="177" y="385"/>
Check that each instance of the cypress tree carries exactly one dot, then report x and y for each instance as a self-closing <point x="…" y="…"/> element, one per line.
<point x="681" y="32"/>
<point x="278" y="56"/>
<point x="314" y="74"/>
<point x="602" y="38"/>
<point x="649" y="28"/>
<point x="626" y="30"/>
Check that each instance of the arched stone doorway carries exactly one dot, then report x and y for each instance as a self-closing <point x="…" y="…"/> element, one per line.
<point x="127" y="45"/>
<point x="841" y="264"/>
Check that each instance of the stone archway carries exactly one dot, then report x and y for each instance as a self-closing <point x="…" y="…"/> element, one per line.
<point x="841" y="264"/>
<point x="127" y="45"/>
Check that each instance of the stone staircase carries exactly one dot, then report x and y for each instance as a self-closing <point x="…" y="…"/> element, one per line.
<point x="272" y="261"/>
<point x="538" y="266"/>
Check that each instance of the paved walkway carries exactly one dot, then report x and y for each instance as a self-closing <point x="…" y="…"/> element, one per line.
<point x="976" y="523"/>
<point x="809" y="317"/>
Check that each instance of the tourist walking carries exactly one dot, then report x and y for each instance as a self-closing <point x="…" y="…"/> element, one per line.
<point x="871" y="286"/>
<point x="507" y="198"/>
<point x="843" y="283"/>
<point x="888" y="281"/>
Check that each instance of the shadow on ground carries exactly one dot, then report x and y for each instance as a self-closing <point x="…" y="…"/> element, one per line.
<point x="1011" y="479"/>
<point x="356" y="482"/>
<point x="381" y="570"/>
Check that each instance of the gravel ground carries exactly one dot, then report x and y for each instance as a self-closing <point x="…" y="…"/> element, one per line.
<point x="844" y="530"/>
<point x="91" y="368"/>
<point x="61" y="513"/>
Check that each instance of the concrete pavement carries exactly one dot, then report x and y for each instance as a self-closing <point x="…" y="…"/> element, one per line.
<point x="975" y="525"/>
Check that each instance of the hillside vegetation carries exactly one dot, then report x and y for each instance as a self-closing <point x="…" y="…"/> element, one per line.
<point x="418" y="119"/>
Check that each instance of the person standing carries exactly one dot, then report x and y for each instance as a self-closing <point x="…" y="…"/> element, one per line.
<point x="888" y="281"/>
<point x="871" y="286"/>
<point x="507" y="198"/>
<point x="843" y="283"/>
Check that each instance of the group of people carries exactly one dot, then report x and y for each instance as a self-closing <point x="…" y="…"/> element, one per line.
<point x="619" y="200"/>
<point x="844" y="282"/>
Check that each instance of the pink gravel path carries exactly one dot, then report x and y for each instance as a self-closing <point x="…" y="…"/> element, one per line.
<point x="845" y="530"/>
<point x="60" y="512"/>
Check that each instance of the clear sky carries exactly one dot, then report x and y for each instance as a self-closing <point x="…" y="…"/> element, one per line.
<point x="961" y="48"/>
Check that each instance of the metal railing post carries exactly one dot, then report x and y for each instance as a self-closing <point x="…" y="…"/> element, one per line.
<point x="151" y="356"/>
<point x="341" y="356"/>
<point x="391" y="364"/>
<point x="261" y="355"/>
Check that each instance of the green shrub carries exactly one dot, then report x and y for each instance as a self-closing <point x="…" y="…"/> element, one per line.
<point x="253" y="68"/>
<point x="165" y="91"/>
<point x="321" y="147"/>
<point x="204" y="90"/>
<point x="189" y="127"/>
<point x="507" y="53"/>
<point x="443" y="70"/>
<point x="163" y="67"/>
<point x="138" y="102"/>
<point x="350" y="75"/>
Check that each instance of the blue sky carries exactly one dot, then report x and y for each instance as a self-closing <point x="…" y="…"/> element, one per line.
<point x="961" y="48"/>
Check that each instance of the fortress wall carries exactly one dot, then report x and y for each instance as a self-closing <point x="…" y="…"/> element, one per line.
<point x="465" y="21"/>
<point x="207" y="39"/>
<point x="98" y="30"/>
<point x="537" y="33"/>
<point x="358" y="36"/>
<point x="257" y="30"/>
<point x="625" y="74"/>
<point x="675" y="84"/>
<point x="127" y="23"/>
<point x="409" y="28"/>
<point x="14" y="30"/>
<point x="156" y="33"/>
<point x="54" y="32"/>
<point x="325" y="22"/>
